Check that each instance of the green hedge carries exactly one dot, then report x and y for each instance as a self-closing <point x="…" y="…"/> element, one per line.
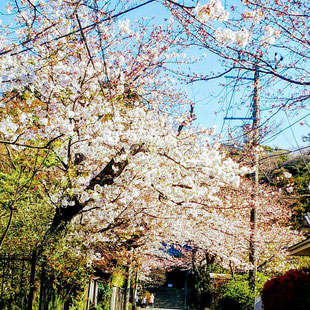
<point x="237" y="295"/>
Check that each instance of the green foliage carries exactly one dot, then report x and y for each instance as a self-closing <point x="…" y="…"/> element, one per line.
<point x="51" y="160"/>
<point x="237" y="295"/>
<point x="56" y="303"/>
<point x="30" y="221"/>
<point x="298" y="167"/>
<point x="70" y="268"/>
<point x="25" y="210"/>
<point x="79" y="302"/>
<point x="104" y="295"/>
<point x="276" y="165"/>
<point x="203" y="287"/>
<point x="118" y="277"/>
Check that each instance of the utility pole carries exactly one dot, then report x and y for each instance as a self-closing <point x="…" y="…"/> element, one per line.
<point x="255" y="194"/>
<point x="254" y="206"/>
<point x="129" y="272"/>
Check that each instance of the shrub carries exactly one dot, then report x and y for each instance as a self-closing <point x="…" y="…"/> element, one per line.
<point x="118" y="277"/>
<point x="237" y="295"/>
<point x="104" y="295"/>
<point x="290" y="291"/>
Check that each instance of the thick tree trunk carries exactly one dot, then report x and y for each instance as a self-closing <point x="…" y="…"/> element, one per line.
<point x="64" y="215"/>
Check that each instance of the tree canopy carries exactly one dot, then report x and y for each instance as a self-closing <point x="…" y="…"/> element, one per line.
<point x="93" y="126"/>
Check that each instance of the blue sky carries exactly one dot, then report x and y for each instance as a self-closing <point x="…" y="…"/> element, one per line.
<point x="214" y="103"/>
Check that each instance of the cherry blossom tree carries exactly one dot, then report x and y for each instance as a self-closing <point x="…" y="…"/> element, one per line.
<point x="110" y="117"/>
<point x="125" y="168"/>
<point x="270" y="34"/>
<point x="267" y="37"/>
<point x="222" y="232"/>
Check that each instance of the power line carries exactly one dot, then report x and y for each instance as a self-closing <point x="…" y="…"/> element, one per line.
<point x="281" y="131"/>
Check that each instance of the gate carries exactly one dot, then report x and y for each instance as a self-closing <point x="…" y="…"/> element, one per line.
<point x="17" y="274"/>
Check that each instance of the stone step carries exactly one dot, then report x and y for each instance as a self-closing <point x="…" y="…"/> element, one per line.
<point x="169" y="298"/>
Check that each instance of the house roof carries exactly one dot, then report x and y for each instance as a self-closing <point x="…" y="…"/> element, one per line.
<point x="306" y="223"/>
<point x="300" y="249"/>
